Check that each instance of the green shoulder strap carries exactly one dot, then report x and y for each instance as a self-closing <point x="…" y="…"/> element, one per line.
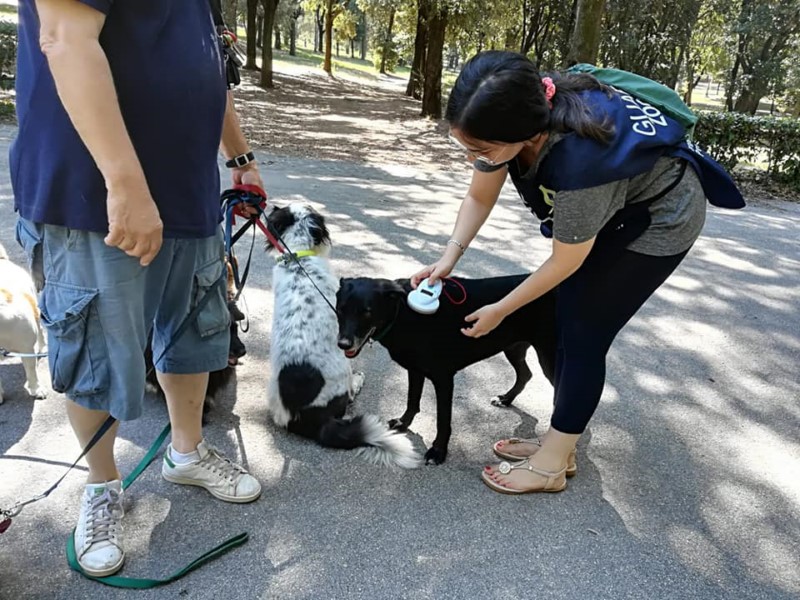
<point x="647" y="90"/>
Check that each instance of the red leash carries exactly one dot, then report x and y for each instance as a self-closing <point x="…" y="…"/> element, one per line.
<point x="239" y="210"/>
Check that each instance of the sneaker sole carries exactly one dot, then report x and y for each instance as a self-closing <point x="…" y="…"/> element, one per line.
<point x="224" y="497"/>
<point x="103" y="572"/>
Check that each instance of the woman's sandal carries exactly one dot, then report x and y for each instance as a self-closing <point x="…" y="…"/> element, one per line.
<point x="555" y="482"/>
<point x="572" y="462"/>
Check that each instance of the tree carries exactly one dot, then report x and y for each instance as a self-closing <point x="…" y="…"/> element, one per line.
<point x="707" y="53"/>
<point x="270" y="6"/>
<point x="252" y="15"/>
<point x="768" y="32"/>
<point x="432" y="77"/>
<point x="652" y="43"/>
<point x="345" y="27"/>
<point x="585" y="38"/>
<point x="230" y="13"/>
<point x="414" y="88"/>
<point x="289" y="11"/>
<point x="381" y="15"/>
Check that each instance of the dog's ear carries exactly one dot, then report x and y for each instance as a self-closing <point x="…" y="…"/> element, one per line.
<point x="391" y="289"/>
<point x="236" y="314"/>
<point x="231" y="282"/>
<point x="318" y="229"/>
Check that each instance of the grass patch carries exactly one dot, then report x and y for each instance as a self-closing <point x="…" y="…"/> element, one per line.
<point x="7" y="110"/>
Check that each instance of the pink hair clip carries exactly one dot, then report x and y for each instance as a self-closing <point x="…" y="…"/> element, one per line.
<point x="549" y="90"/>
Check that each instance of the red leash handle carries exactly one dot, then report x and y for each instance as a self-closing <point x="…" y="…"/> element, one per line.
<point x="238" y="210"/>
<point x="460" y="286"/>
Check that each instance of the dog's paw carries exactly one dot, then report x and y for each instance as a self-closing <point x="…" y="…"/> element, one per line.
<point x="501" y="401"/>
<point x="435" y="456"/>
<point x="397" y="425"/>
<point x="38" y="393"/>
<point x="356" y="383"/>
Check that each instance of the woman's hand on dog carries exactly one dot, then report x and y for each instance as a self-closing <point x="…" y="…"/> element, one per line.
<point x="484" y="320"/>
<point x="438" y="270"/>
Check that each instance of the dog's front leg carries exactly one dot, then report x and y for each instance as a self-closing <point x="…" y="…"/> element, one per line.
<point x="416" y="381"/>
<point x="444" y="414"/>
<point x="32" y="385"/>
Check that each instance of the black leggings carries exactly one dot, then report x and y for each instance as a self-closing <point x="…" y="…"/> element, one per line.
<point x="592" y="306"/>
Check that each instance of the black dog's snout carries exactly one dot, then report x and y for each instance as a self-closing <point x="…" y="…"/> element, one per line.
<point x="345" y="343"/>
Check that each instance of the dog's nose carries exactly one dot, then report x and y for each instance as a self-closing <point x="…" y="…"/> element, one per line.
<point x="345" y="343"/>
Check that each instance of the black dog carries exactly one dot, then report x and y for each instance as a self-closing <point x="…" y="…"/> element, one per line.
<point x="216" y="379"/>
<point x="433" y="347"/>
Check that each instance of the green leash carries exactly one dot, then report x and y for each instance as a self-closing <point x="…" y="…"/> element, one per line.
<point x="145" y="584"/>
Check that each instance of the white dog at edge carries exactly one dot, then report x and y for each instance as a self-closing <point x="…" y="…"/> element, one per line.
<point x="20" y="329"/>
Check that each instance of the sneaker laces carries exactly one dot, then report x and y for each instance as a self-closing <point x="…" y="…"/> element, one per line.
<point x="101" y="520"/>
<point x="215" y="462"/>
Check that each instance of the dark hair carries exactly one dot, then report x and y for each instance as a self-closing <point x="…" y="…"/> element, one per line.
<point x="499" y="97"/>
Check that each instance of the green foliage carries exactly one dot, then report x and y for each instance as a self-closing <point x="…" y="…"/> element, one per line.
<point x="734" y="137"/>
<point x="391" y="57"/>
<point x="8" y="49"/>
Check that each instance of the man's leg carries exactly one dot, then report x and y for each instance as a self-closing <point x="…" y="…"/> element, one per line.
<point x="93" y="307"/>
<point x="185" y="396"/>
<point x="197" y="271"/>
<point x="85" y="423"/>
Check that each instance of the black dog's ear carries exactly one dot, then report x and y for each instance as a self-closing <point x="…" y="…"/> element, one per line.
<point x="236" y="314"/>
<point x="392" y="289"/>
<point x="318" y="229"/>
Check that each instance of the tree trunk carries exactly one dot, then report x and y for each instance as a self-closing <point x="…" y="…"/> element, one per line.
<point x="414" y="88"/>
<point x="432" y="87"/>
<point x="252" y="10"/>
<point x="270" y="6"/>
<point x="328" y="64"/>
<point x="585" y="40"/>
<point x="364" y="38"/>
<point x="749" y="99"/>
<point x="744" y="16"/>
<point x="338" y="54"/>
<point x="259" y="31"/>
<point x="278" y="45"/>
<point x="319" y="33"/>
<point x="352" y="47"/>
<point x="230" y="14"/>
<point x="293" y="37"/>
<point x="387" y="41"/>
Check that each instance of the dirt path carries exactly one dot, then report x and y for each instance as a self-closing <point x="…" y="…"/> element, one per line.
<point x="310" y="115"/>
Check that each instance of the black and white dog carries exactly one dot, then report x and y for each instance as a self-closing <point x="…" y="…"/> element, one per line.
<point x="433" y="347"/>
<point x="311" y="380"/>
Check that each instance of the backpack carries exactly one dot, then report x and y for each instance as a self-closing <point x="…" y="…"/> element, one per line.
<point x="647" y="90"/>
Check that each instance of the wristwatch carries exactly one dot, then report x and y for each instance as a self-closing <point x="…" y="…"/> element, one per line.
<point x="241" y="160"/>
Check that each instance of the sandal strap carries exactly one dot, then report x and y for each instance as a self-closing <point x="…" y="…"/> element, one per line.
<point x="525" y="464"/>
<point x="516" y="440"/>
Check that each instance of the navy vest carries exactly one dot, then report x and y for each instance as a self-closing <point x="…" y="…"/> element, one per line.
<point x="642" y="135"/>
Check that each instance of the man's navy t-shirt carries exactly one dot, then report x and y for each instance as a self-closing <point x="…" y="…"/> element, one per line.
<point x="168" y="72"/>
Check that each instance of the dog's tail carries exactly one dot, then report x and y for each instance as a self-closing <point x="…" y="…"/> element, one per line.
<point x="373" y="439"/>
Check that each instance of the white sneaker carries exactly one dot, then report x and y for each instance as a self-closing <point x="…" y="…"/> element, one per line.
<point x="98" y="536"/>
<point x="219" y="475"/>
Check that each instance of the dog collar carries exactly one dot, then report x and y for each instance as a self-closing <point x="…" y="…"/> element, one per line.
<point x="285" y="258"/>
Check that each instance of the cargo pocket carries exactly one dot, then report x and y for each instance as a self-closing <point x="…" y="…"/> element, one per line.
<point x="78" y="357"/>
<point x="29" y="236"/>
<point x="214" y="316"/>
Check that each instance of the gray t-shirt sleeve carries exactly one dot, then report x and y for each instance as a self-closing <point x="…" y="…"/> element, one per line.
<point x="485" y="167"/>
<point x="579" y="215"/>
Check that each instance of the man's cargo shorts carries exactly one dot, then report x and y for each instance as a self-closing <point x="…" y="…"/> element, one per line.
<point x="99" y="305"/>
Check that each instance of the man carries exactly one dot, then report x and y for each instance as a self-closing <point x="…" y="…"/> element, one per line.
<point x="122" y="107"/>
